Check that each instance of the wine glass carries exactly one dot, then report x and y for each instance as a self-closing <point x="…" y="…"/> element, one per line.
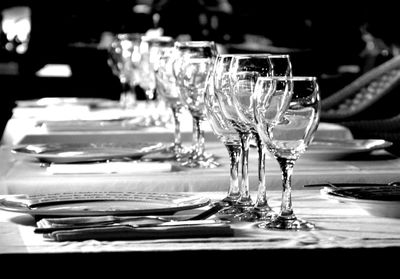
<point x="151" y="49"/>
<point x="287" y="135"/>
<point x="193" y="65"/>
<point x="280" y="66"/>
<point x="167" y="89"/>
<point x="244" y="71"/>
<point x="225" y="132"/>
<point x="124" y="57"/>
<point x="223" y="92"/>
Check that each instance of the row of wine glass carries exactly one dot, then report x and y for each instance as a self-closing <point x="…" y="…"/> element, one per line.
<point x="174" y="73"/>
<point x="256" y="96"/>
<point x="242" y="96"/>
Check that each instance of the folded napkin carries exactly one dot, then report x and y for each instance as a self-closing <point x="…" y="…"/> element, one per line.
<point x="122" y="232"/>
<point x="52" y="112"/>
<point x="109" y="167"/>
<point x="130" y="123"/>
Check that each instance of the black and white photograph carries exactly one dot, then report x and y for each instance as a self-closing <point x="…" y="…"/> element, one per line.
<point x="224" y="136"/>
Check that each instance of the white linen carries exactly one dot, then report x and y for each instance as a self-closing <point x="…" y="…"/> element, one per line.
<point x="338" y="225"/>
<point x="109" y="167"/>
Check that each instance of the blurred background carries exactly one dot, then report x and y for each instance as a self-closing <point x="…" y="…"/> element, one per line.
<point x="333" y="41"/>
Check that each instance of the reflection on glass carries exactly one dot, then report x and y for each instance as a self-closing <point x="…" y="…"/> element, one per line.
<point x="194" y="63"/>
<point x="243" y="73"/>
<point x="151" y="49"/>
<point x="226" y="133"/>
<point x="167" y="89"/>
<point x="124" y="59"/>
<point x="287" y="135"/>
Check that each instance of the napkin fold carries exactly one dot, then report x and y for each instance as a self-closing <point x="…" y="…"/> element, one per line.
<point x="130" y="233"/>
<point x="130" y="123"/>
<point x="109" y="167"/>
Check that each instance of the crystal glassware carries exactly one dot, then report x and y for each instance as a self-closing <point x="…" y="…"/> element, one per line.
<point x="167" y="90"/>
<point x="243" y="73"/>
<point x="287" y="135"/>
<point x="223" y="92"/>
<point x="226" y="133"/>
<point x="194" y="62"/>
<point x="151" y="49"/>
<point x="124" y="58"/>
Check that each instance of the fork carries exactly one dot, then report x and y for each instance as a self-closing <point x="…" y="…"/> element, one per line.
<point x="48" y="225"/>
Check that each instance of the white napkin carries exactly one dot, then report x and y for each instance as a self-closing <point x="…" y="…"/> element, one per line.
<point x="133" y="123"/>
<point x="109" y="167"/>
<point x="64" y="112"/>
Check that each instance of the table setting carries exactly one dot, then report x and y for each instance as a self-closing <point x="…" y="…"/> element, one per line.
<point x="261" y="171"/>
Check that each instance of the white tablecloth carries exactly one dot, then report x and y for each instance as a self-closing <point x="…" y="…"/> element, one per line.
<point x="19" y="174"/>
<point x="338" y="225"/>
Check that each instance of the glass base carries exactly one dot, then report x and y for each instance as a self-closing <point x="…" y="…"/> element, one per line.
<point x="228" y="212"/>
<point x="292" y="223"/>
<point x="170" y="153"/>
<point x="127" y="100"/>
<point x="201" y="161"/>
<point x="255" y="215"/>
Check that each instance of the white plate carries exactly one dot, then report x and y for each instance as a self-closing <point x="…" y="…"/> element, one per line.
<point x="331" y="149"/>
<point x="72" y="153"/>
<point x="382" y="201"/>
<point x="101" y="203"/>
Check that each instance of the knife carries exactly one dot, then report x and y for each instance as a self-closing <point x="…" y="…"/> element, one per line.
<point x="130" y="233"/>
<point x="352" y="185"/>
<point x="132" y="224"/>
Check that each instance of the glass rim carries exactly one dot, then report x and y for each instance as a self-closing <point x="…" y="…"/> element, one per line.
<point x="253" y="54"/>
<point x="194" y="43"/>
<point x="292" y="78"/>
<point x="130" y="35"/>
<point x="156" y="39"/>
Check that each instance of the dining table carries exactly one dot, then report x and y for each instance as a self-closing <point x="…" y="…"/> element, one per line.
<point x="342" y="229"/>
<point x="345" y="235"/>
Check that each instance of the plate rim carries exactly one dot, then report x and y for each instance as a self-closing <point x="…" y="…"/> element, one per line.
<point x="384" y="144"/>
<point x="197" y="202"/>
<point x="55" y="158"/>
<point x="326" y="191"/>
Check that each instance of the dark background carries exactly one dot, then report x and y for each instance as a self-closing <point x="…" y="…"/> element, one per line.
<point x="320" y="37"/>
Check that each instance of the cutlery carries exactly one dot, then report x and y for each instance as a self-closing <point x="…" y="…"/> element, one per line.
<point x="55" y="224"/>
<point x="352" y="185"/>
<point x="126" y="232"/>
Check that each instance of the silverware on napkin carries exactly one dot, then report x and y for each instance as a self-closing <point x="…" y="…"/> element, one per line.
<point x="48" y="225"/>
<point x="351" y="185"/>
<point x="122" y="232"/>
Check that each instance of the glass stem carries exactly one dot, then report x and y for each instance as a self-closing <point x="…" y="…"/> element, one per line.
<point x="177" y="125"/>
<point x="245" y="199"/>
<point x="234" y="151"/>
<point x="125" y="90"/>
<point x="286" y="166"/>
<point x="198" y="136"/>
<point x="150" y="95"/>
<point x="262" y="201"/>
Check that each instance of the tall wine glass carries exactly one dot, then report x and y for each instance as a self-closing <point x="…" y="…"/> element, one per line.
<point x="167" y="89"/>
<point x="193" y="65"/>
<point x="124" y="58"/>
<point x="280" y="66"/>
<point x="225" y="132"/>
<point x="288" y="135"/>
<point x="151" y="49"/>
<point x="223" y="92"/>
<point x="243" y="73"/>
